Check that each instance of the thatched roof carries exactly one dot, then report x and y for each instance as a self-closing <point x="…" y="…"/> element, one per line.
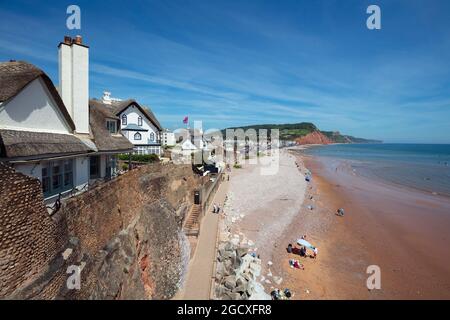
<point x="16" y="75"/>
<point x="38" y="145"/>
<point x="103" y="139"/>
<point x="120" y="106"/>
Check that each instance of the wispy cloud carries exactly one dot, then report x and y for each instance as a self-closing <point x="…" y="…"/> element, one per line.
<point x="234" y="63"/>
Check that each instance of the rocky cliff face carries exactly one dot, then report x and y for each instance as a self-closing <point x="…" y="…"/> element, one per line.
<point x="315" y="137"/>
<point x="125" y="236"/>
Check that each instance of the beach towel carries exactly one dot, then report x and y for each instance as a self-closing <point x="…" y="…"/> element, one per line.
<point x="303" y="242"/>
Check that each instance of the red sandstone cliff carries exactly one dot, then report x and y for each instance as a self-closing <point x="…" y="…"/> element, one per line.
<point x="127" y="233"/>
<point x="315" y="137"/>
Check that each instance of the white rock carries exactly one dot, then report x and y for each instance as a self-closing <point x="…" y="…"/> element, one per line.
<point x="235" y="241"/>
<point x="66" y="254"/>
<point x="255" y="269"/>
<point x="278" y="280"/>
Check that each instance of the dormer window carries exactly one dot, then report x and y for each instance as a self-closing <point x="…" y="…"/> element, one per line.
<point x="137" y="136"/>
<point x="124" y="119"/>
<point x="111" y="125"/>
<point x="140" y="121"/>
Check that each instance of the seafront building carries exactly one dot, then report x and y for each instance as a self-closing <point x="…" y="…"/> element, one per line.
<point x="62" y="138"/>
<point x="138" y="124"/>
<point x="168" y="138"/>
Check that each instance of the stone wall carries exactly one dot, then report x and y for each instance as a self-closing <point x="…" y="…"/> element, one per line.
<point x="125" y="235"/>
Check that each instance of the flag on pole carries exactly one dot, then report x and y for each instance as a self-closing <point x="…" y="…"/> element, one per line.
<point x="186" y="120"/>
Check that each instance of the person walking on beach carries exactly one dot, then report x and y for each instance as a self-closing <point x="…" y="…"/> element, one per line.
<point x="215" y="208"/>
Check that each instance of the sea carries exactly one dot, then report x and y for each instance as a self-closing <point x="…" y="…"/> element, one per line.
<point x="425" y="167"/>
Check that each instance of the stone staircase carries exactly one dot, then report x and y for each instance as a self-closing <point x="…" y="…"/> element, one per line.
<point x="191" y="225"/>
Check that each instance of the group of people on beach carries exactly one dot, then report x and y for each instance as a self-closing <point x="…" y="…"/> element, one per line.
<point x="302" y="251"/>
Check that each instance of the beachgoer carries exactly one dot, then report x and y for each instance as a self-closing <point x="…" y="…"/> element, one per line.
<point x="275" y="294"/>
<point x="303" y="251"/>
<point x="215" y="208"/>
<point x="315" y="252"/>
<point x="304" y="237"/>
<point x="298" y="265"/>
<point x="287" y="293"/>
<point x="289" y="248"/>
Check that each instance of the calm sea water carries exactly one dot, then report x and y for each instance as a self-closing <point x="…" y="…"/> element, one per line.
<point x="421" y="166"/>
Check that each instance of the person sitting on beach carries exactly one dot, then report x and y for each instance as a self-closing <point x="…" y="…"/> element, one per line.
<point x="315" y="252"/>
<point x="289" y="248"/>
<point x="298" y="265"/>
<point x="303" y="251"/>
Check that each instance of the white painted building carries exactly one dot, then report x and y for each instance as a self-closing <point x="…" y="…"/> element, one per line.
<point x="139" y="125"/>
<point x="168" y="138"/>
<point x="58" y="138"/>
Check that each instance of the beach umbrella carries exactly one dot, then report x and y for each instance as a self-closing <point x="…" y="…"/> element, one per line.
<point x="303" y="242"/>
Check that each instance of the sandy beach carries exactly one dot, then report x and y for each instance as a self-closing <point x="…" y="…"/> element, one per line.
<point x="403" y="231"/>
<point x="384" y="225"/>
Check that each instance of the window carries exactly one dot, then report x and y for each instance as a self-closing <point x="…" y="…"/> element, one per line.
<point x="152" y="137"/>
<point x="140" y="121"/>
<point x="111" y="126"/>
<point x="124" y="119"/>
<point x="46" y="180"/>
<point x="68" y="174"/>
<point x="94" y="167"/>
<point x="57" y="177"/>
<point x="111" y="166"/>
<point x="137" y="136"/>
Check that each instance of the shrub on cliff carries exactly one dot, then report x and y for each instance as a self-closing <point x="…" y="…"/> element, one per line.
<point x="150" y="158"/>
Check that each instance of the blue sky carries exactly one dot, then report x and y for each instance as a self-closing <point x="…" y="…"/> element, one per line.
<point x="231" y="63"/>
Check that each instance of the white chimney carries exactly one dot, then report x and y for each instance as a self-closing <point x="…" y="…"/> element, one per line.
<point x="74" y="81"/>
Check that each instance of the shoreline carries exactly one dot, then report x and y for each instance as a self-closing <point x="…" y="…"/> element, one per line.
<point x="378" y="228"/>
<point x="399" y="229"/>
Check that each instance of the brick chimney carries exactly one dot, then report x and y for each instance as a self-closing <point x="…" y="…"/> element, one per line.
<point x="73" y="57"/>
